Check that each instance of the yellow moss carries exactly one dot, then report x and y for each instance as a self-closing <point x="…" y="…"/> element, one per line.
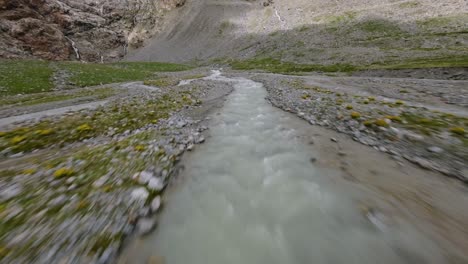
<point x="3" y="252"/>
<point x="17" y="139"/>
<point x="371" y="98"/>
<point x="44" y="132"/>
<point x="29" y="171"/>
<point x="339" y="101"/>
<point x="84" y="127"/>
<point x="2" y="134"/>
<point x="394" y="118"/>
<point x="107" y="188"/>
<point x="63" y="172"/>
<point x="140" y="148"/>
<point x="349" y="107"/>
<point x="305" y="96"/>
<point x="458" y="131"/>
<point x="355" y="115"/>
<point x="399" y="102"/>
<point x="82" y="205"/>
<point x="380" y="123"/>
<point x="367" y="123"/>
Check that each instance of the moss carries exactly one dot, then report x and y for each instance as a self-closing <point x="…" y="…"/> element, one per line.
<point x="278" y="66"/>
<point x="367" y="123"/>
<point x="355" y="115"/>
<point x="83" y="128"/>
<point x="404" y="91"/>
<point x="161" y="82"/>
<point x="29" y="171"/>
<point x="371" y="98"/>
<point x="409" y="4"/>
<point x="17" y="139"/>
<point x="458" y="131"/>
<point x="63" y="172"/>
<point x="394" y="118"/>
<point x="44" y="132"/>
<point x="399" y="102"/>
<point x="381" y="123"/>
<point x="349" y="107"/>
<point x="140" y="148"/>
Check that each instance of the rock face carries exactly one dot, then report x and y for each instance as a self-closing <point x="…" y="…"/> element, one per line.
<point x="88" y="30"/>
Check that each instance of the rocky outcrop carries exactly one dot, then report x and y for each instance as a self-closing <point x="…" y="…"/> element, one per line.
<point x="88" y="30"/>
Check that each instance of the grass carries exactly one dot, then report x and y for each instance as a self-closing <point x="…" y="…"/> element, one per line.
<point x="421" y="63"/>
<point x="39" y="98"/>
<point x="76" y="127"/>
<point x="96" y="74"/>
<point x="409" y="4"/>
<point x="26" y="76"/>
<point x="376" y="26"/>
<point x="278" y="66"/>
<point x="161" y="82"/>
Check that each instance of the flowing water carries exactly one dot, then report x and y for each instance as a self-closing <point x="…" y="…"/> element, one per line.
<point x="252" y="196"/>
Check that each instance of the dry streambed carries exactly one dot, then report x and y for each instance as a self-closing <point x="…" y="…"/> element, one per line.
<point x="73" y="186"/>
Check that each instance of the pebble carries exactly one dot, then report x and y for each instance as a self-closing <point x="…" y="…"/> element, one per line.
<point x="145" y="226"/>
<point x="435" y="149"/>
<point x="155" y="184"/>
<point x="155" y="204"/>
<point x="139" y="195"/>
<point x="144" y="177"/>
<point x="334" y="139"/>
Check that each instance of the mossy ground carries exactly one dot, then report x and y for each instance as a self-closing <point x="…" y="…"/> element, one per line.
<point x="25" y="77"/>
<point x="40" y="98"/>
<point x="123" y="115"/>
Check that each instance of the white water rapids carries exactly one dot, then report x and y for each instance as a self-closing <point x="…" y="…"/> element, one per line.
<point x="252" y="196"/>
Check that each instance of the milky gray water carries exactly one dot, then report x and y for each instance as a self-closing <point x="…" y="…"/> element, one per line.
<point x="250" y="195"/>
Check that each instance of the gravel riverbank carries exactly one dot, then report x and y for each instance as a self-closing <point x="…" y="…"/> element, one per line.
<point x="430" y="133"/>
<point x="75" y="201"/>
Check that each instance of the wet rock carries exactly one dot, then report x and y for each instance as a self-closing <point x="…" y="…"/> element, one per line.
<point x="145" y="226"/>
<point x="190" y="147"/>
<point x="155" y="204"/>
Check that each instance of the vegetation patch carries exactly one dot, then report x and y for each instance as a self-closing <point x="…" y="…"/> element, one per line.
<point x="40" y="98"/>
<point x="35" y="76"/>
<point x="161" y="82"/>
<point x="24" y="77"/>
<point x="278" y="66"/>
<point x="82" y="125"/>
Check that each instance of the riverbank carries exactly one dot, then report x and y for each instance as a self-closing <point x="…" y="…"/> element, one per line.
<point x="422" y="121"/>
<point x="255" y="197"/>
<point x="75" y="184"/>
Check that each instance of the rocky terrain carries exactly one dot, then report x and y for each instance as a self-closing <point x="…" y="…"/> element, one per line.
<point x="340" y="35"/>
<point x="87" y="150"/>
<point x="78" y="30"/>
<point x="409" y="119"/>
<point x="76" y="198"/>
